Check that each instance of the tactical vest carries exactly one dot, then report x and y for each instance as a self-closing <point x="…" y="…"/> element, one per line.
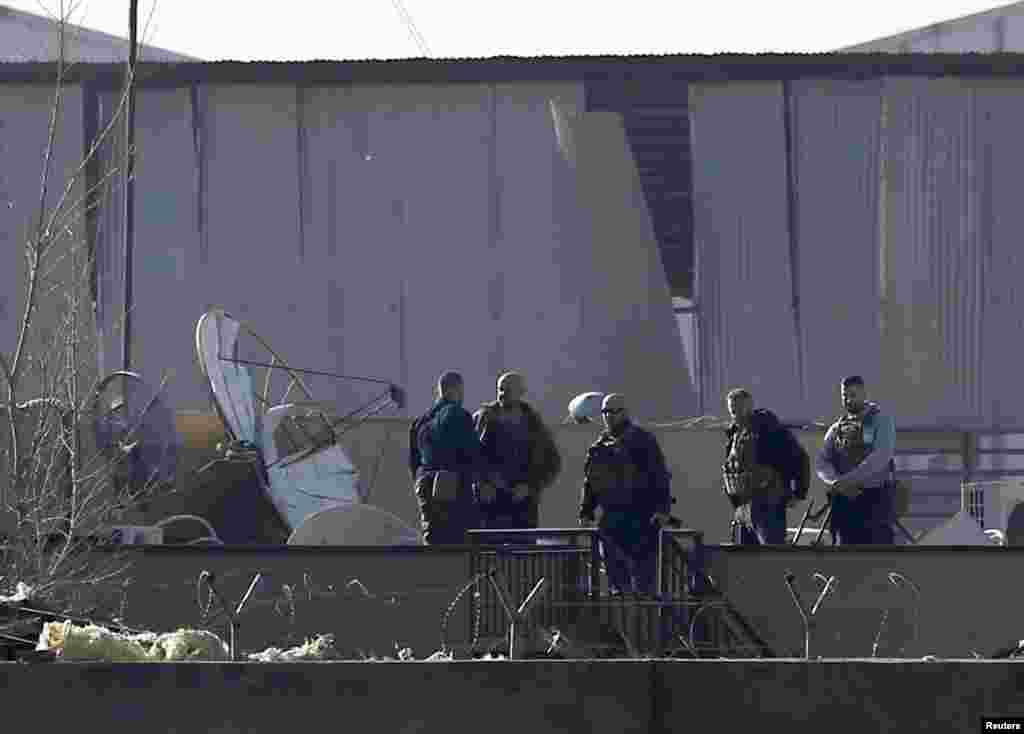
<point x="744" y="478"/>
<point x="611" y="472"/>
<point x="850" y="444"/>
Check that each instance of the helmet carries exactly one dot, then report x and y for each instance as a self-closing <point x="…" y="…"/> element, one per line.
<point x="585" y="407"/>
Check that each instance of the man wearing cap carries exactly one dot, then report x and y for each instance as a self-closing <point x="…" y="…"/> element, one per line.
<point x="625" y="475"/>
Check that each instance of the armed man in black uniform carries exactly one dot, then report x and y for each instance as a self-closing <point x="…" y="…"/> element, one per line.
<point x="626" y="477"/>
<point x="765" y="470"/>
<point x="445" y="460"/>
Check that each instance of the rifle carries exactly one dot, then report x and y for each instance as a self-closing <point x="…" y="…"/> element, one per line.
<point x="826" y="523"/>
<point x="803" y="523"/>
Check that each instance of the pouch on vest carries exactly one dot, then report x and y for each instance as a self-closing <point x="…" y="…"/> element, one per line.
<point x="446" y="486"/>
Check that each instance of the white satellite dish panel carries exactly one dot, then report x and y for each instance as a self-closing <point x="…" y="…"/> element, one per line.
<point x="353" y="524"/>
<point x="298" y="488"/>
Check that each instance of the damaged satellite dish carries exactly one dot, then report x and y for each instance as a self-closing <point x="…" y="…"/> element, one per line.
<point x="134" y="425"/>
<point x="355" y="525"/>
<point x="270" y="415"/>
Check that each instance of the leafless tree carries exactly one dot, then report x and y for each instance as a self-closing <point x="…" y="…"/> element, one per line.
<point x="61" y="487"/>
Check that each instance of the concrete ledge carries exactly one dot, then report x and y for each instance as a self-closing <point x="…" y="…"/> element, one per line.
<point x="503" y="696"/>
<point x="491" y="696"/>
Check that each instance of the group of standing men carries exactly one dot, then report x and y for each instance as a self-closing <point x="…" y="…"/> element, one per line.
<point x="486" y="470"/>
<point x="489" y="470"/>
<point x="766" y="470"/>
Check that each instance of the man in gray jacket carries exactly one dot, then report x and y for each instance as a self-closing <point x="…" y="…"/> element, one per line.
<point x="855" y="463"/>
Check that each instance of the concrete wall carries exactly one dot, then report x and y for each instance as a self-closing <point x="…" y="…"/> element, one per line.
<point x="407" y="592"/>
<point x="571" y="696"/>
<point x="968" y="599"/>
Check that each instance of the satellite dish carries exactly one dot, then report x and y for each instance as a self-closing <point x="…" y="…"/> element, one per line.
<point x="134" y="425"/>
<point x="354" y="524"/>
<point x="586" y="407"/>
<point x="271" y="417"/>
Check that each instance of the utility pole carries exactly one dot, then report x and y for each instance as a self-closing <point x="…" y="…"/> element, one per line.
<point x="129" y="185"/>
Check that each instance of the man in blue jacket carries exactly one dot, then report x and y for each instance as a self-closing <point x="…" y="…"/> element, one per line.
<point x="855" y="463"/>
<point x="444" y="452"/>
<point x="765" y="470"/>
<point x="625" y="475"/>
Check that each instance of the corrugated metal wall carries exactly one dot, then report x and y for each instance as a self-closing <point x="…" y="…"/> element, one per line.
<point x="742" y="239"/>
<point x="906" y="238"/>
<point x="396" y="232"/>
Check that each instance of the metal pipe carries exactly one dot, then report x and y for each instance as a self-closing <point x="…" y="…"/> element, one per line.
<point x="829" y="583"/>
<point x="878" y="635"/>
<point x="790" y="578"/>
<point x="129" y="185"/>
<point x="898" y="579"/>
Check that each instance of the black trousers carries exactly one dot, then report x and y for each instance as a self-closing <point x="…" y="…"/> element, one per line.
<point x="863" y="520"/>
<point x="445" y="523"/>
<point x="762" y="523"/>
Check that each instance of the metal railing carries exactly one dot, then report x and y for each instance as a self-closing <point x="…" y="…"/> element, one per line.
<point x="576" y="591"/>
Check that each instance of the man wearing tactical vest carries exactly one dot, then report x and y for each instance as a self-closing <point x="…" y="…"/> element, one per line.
<point x="855" y="464"/>
<point x="625" y="475"/>
<point x="445" y="460"/>
<point x="521" y="457"/>
<point x="765" y="470"/>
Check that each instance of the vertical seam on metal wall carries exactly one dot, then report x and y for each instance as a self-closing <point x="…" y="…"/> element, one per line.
<point x="792" y="203"/>
<point x="302" y="167"/>
<point x="697" y="287"/>
<point x="199" y="144"/>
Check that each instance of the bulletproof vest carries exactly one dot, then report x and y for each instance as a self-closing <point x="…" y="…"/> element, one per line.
<point x="850" y="444"/>
<point x="611" y="471"/>
<point x="743" y="476"/>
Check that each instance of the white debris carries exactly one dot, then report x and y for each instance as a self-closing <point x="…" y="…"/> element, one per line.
<point x="319" y="648"/>
<point x="89" y="643"/>
<point x="22" y="592"/>
<point x="187" y="644"/>
<point x="440" y="656"/>
<point x="92" y="642"/>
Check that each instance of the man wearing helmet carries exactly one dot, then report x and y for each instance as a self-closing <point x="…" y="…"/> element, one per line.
<point x="625" y="475"/>
<point x="765" y="470"/>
